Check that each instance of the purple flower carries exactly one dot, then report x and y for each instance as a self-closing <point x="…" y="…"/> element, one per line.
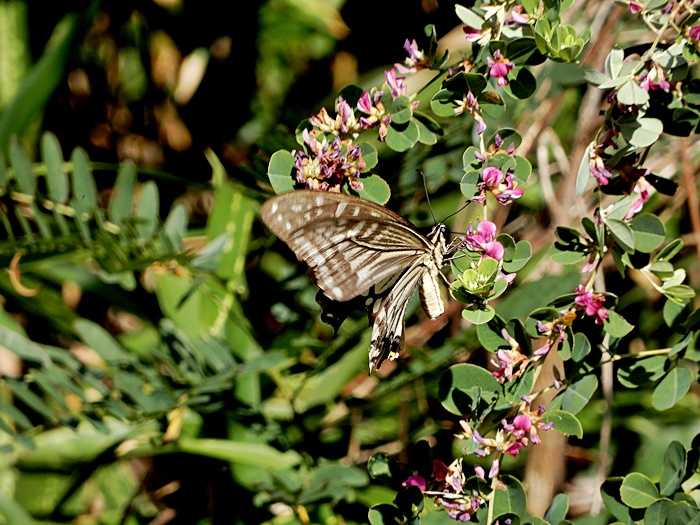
<point x="517" y="16"/>
<point x="484" y="240"/>
<point x="327" y="165"/>
<point x="470" y="105"/>
<point x="499" y="67"/>
<point x="643" y="189"/>
<point x="634" y="7"/>
<point x="654" y="79"/>
<point x="597" y="168"/>
<point x="522" y="423"/>
<point x="694" y="33"/>
<point x="416" y="480"/>
<point x="480" y="472"/>
<point x="495" y="469"/>
<point x="415" y="59"/>
<point x="396" y="84"/>
<point x="591" y="303"/>
<point x="370" y="104"/>
<point x="503" y="186"/>
<point x="473" y="34"/>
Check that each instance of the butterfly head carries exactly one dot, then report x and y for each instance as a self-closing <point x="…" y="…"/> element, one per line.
<point x="438" y="234"/>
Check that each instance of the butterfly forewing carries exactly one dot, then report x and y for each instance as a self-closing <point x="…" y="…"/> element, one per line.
<point x="349" y="244"/>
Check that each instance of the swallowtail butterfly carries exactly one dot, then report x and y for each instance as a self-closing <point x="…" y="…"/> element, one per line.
<point x="355" y="247"/>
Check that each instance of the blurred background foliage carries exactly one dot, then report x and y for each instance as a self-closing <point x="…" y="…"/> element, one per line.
<point x="162" y="359"/>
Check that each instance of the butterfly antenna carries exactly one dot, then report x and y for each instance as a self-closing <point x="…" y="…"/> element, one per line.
<point x="456" y="212"/>
<point x="427" y="196"/>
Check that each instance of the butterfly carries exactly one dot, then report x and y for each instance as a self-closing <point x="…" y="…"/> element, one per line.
<point x="355" y="247"/>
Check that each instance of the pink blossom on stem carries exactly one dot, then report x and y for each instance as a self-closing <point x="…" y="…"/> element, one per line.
<point x="634" y="7"/>
<point x="643" y="189"/>
<point x="694" y="33"/>
<point x="415" y="59"/>
<point x="517" y="16"/>
<point x="598" y="169"/>
<point x="591" y="303"/>
<point x="484" y="240"/>
<point x="416" y="480"/>
<point x="499" y="67"/>
<point x="654" y="79"/>
<point x="396" y="83"/>
<point x="503" y="185"/>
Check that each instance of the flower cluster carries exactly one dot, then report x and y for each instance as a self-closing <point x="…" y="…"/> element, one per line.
<point x="329" y="163"/>
<point x="502" y="185"/>
<point x="591" y="303"/>
<point x="344" y="123"/>
<point x="395" y="78"/>
<point x="511" y="363"/>
<point x="510" y="438"/>
<point x="459" y="503"/>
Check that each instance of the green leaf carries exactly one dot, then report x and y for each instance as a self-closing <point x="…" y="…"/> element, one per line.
<point x="122" y="194"/>
<point x="515" y="259"/>
<point x="468" y="17"/>
<point x="576" y="396"/>
<point x="645" y="132"/>
<point x="279" y="171"/>
<point x="470" y="184"/>
<point x="402" y="139"/>
<point x="101" y="342"/>
<point x="384" y="514"/>
<point x="232" y="216"/>
<point x="558" y="509"/>
<point x="479" y="315"/>
<point x="672" y="388"/>
<point x="400" y="110"/>
<point x="369" y="155"/>
<point x="616" y="325"/>
<point x="22" y="165"/>
<point x="584" y="171"/>
<point x="649" y="232"/>
<point x="464" y="380"/>
<point x="39" y="84"/>
<point x="631" y="94"/>
<point x="258" y="455"/>
<point x="84" y="189"/>
<point x="147" y="211"/>
<point x="673" y="472"/>
<point x="582" y="347"/>
<point x="56" y="179"/>
<point x="511" y="500"/>
<point x="622" y="233"/>
<point x="637" y="491"/>
<point x="610" y="493"/>
<point x="564" y="422"/>
<point x="375" y="189"/>
<point x="524" y="84"/>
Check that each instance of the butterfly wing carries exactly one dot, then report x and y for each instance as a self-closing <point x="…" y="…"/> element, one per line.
<point x="387" y="315"/>
<point x="349" y="244"/>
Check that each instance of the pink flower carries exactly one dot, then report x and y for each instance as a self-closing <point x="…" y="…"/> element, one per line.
<point x="654" y="79"/>
<point x="522" y="423"/>
<point x="503" y="186"/>
<point x="634" y="7"/>
<point x="598" y="169"/>
<point x="473" y="34"/>
<point x="499" y="67"/>
<point x="517" y="16"/>
<point x="396" y="84"/>
<point x="591" y="303"/>
<point x="495" y="469"/>
<point x="484" y="240"/>
<point x="643" y="189"/>
<point x="416" y="480"/>
<point x="370" y="104"/>
<point x="470" y="105"/>
<point x="327" y="165"/>
<point x="694" y="33"/>
<point x="480" y="472"/>
<point x="415" y="59"/>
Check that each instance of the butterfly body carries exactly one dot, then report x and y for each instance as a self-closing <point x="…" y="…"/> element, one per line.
<point x="354" y="247"/>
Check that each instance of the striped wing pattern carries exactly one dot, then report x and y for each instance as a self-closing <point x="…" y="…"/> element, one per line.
<point x="353" y="247"/>
<point x="348" y="243"/>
